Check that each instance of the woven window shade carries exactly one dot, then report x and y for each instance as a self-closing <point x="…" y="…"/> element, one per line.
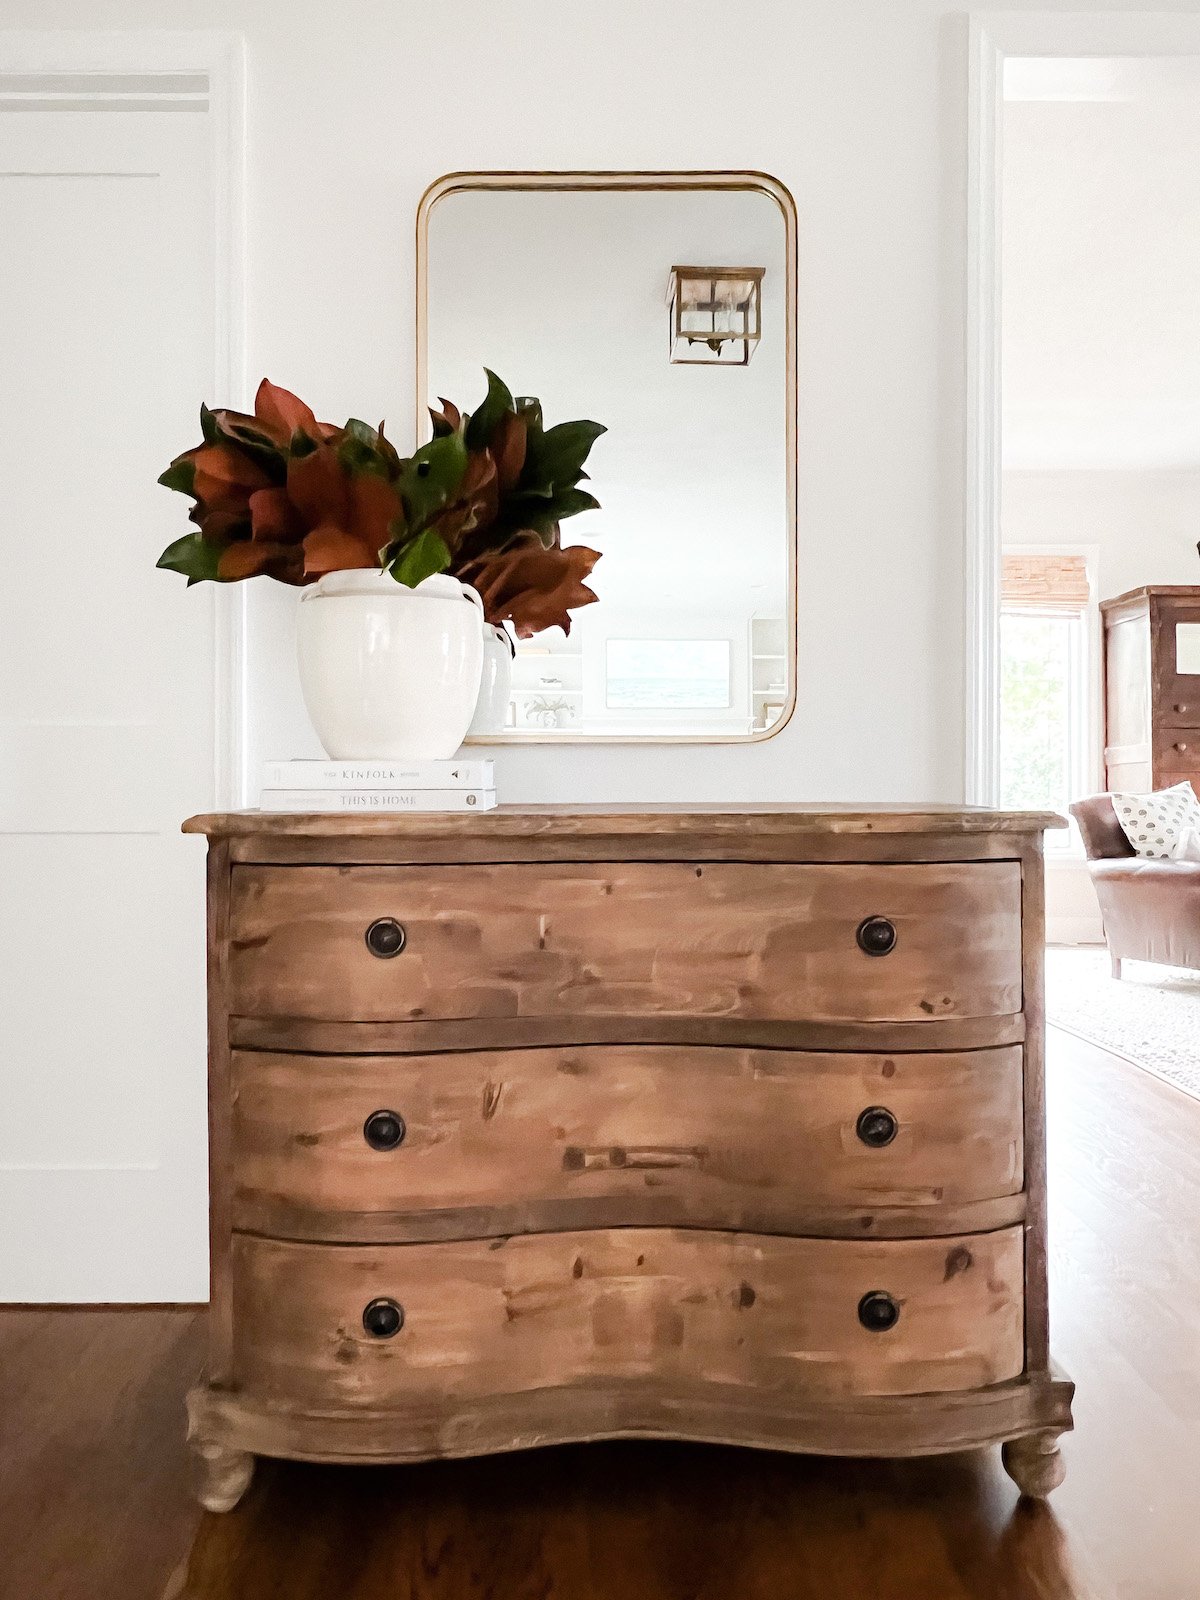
<point x="1049" y="583"/>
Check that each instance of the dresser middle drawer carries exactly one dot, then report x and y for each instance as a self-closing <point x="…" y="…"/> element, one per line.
<point x="354" y="1147"/>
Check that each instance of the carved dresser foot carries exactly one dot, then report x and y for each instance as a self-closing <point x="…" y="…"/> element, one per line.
<point x="222" y="1475"/>
<point x="1035" y="1463"/>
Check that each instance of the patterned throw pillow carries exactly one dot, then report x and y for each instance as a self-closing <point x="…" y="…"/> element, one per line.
<point x="1160" y="826"/>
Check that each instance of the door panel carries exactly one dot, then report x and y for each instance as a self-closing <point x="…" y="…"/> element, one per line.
<point x="108" y="338"/>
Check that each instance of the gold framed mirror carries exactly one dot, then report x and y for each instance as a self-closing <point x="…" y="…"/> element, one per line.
<point x="619" y="296"/>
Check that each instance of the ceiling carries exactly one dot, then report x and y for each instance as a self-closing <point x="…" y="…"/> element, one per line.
<point x="1101" y="265"/>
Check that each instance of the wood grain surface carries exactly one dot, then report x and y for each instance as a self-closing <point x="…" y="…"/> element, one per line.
<point x="780" y="819"/>
<point x="661" y="939"/>
<point x="531" y="1140"/>
<point x="547" y="1311"/>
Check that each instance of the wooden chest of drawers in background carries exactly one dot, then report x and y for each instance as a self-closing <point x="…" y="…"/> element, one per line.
<point x="1152" y="689"/>
<point x="560" y="1124"/>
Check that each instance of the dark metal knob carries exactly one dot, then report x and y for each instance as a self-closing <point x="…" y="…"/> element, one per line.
<point x="876" y="1126"/>
<point x="878" y="1312"/>
<point x="384" y="1130"/>
<point x="385" y="937"/>
<point x="876" y="936"/>
<point x="383" y="1318"/>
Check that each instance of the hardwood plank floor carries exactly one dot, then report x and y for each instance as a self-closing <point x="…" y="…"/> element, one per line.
<point x="94" y="1506"/>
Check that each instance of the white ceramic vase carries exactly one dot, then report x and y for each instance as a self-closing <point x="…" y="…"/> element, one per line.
<point x="495" y="684"/>
<point x="388" y="672"/>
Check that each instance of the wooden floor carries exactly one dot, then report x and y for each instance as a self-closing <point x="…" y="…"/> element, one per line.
<point x="93" y="1493"/>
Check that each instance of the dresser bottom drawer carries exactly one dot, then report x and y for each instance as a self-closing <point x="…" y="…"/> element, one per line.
<point x="337" y="1326"/>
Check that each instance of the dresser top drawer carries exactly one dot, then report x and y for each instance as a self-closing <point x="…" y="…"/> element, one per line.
<point x="774" y="943"/>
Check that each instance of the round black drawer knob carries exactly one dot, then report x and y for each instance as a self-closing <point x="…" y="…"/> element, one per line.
<point x="384" y="1130"/>
<point x="385" y="937"/>
<point x="876" y="936"/>
<point x="878" y="1312"/>
<point x="876" y="1127"/>
<point x="383" y="1318"/>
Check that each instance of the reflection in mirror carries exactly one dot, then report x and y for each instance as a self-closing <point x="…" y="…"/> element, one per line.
<point x="1187" y="647"/>
<point x="576" y="294"/>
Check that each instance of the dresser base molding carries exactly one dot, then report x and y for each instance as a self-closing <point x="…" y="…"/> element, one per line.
<point x="1026" y="1415"/>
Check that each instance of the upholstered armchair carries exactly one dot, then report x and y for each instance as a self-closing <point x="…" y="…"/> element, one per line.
<point x="1150" y="909"/>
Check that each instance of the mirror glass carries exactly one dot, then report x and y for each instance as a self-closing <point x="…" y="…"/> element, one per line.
<point x="567" y="287"/>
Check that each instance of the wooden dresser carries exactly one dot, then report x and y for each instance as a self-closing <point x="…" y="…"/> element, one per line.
<point x="556" y="1124"/>
<point x="1151" y="700"/>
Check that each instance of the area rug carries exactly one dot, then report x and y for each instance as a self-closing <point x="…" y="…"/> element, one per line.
<point x="1151" y="1016"/>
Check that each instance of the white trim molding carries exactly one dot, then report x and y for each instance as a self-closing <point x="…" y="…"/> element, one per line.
<point x="994" y="38"/>
<point x="201" y="72"/>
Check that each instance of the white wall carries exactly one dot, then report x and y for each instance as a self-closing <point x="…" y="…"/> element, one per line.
<point x="859" y="108"/>
<point x="1143" y="525"/>
<point x="857" y="105"/>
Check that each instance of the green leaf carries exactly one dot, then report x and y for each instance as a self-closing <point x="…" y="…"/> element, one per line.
<point x="542" y="512"/>
<point x="363" y="432"/>
<point x="192" y="555"/>
<point x="420" y="558"/>
<point x="356" y="455"/>
<point x="530" y="407"/>
<point x="388" y="453"/>
<point x="209" y="426"/>
<point x="429" y="478"/>
<point x="554" y="459"/>
<point x="180" y="475"/>
<point x="481" y="423"/>
<point x="570" y="502"/>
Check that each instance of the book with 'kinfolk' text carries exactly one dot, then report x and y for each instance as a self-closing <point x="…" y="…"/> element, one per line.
<point x="379" y="775"/>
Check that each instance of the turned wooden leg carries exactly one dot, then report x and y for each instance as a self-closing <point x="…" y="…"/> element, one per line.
<point x="222" y="1475"/>
<point x="1116" y="966"/>
<point x="1035" y="1463"/>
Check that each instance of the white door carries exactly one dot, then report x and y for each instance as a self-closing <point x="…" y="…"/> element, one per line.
<point x="108" y="343"/>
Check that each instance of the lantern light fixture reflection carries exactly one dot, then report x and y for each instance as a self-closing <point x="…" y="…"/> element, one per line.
<point x="716" y="314"/>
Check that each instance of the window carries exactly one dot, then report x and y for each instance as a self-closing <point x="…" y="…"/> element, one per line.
<point x="1045" y="745"/>
<point x="667" y="674"/>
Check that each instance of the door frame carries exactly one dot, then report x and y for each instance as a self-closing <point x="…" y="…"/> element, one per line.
<point x="149" y="67"/>
<point x="995" y="37"/>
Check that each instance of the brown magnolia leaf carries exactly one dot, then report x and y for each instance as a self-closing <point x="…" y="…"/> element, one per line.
<point x="248" y="559"/>
<point x="329" y="548"/>
<point x="448" y="419"/>
<point x="373" y="505"/>
<point x="530" y="586"/>
<point x="224" y="477"/>
<point x="507" y="446"/>
<point x="280" y="413"/>
<point x="317" y="487"/>
<point x="221" y="527"/>
<point x="273" y="517"/>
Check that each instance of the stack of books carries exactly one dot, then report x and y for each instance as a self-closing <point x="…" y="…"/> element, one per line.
<point x="379" y="786"/>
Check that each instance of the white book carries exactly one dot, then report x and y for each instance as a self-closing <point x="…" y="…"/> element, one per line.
<point x="378" y="799"/>
<point x="379" y="775"/>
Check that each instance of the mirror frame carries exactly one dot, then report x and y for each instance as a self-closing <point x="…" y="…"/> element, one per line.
<point x="570" y="182"/>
